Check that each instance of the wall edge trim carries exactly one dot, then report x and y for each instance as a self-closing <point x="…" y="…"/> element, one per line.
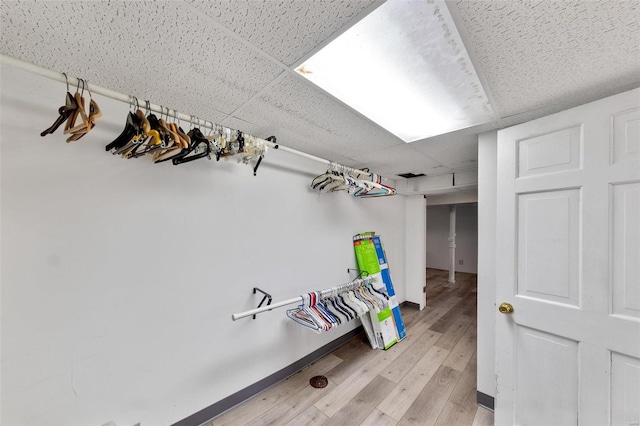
<point x="214" y="410"/>
<point x="410" y="304"/>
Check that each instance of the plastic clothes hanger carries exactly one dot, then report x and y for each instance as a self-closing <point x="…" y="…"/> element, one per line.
<point x="337" y="310"/>
<point x="85" y="125"/>
<point x="363" y="299"/>
<point x="146" y="137"/>
<point x="339" y="183"/>
<point x="375" y="303"/>
<point x="313" y="315"/>
<point x="342" y="305"/>
<point x="324" y="312"/>
<point x="358" y="307"/>
<point x="137" y="139"/>
<point x="169" y="131"/>
<point x="179" y="130"/>
<point x="377" y="293"/>
<point x="331" y="306"/>
<point x="375" y="188"/>
<point x="173" y="149"/>
<point x="324" y="178"/>
<point x="328" y="323"/>
<point x="199" y="148"/>
<point x="94" y="110"/>
<point x="132" y="128"/>
<point x="362" y="303"/>
<point x="94" y="114"/>
<point x="71" y="122"/>
<point x="65" y="111"/>
<point x="150" y="139"/>
<point x="262" y="151"/>
<point x="341" y="299"/>
<point x="301" y="317"/>
<point x="219" y="142"/>
<point x="326" y="305"/>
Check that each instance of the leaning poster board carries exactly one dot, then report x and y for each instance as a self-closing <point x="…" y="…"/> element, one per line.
<point x="386" y="278"/>
<point x="372" y="259"/>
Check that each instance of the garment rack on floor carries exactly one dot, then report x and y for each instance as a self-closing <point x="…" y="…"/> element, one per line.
<point x="36" y="69"/>
<point x="326" y="292"/>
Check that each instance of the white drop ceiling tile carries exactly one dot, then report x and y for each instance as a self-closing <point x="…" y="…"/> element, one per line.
<point x="452" y="150"/>
<point x="161" y="51"/>
<point x="539" y="52"/>
<point x="456" y="150"/>
<point x="399" y="159"/>
<point x="304" y="117"/>
<point x="286" y="30"/>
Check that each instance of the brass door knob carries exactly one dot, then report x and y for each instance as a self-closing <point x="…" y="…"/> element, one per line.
<point x="505" y="308"/>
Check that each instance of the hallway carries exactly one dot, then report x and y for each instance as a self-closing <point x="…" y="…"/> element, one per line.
<point x="426" y="379"/>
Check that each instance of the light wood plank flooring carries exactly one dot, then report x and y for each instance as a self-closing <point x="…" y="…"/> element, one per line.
<point x="427" y="379"/>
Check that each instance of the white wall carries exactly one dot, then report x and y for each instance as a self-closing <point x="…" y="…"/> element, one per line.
<point x="487" y="189"/>
<point x="466" y="237"/>
<point x="415" y="266"/>
<point x="119" y="277"/>
<point x="458" y="197"/>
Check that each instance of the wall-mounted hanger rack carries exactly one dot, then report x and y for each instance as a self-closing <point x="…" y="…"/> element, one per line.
<point x="344" y="287"/>
<point x="36" y="69"/>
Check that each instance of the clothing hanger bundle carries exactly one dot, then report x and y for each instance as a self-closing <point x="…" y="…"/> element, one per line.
<point x="361" y="184"/>
<point x="246" y="149"/>
<point x="321" y="311"/>
<point x="73" y="109"/>
<point x="160" y="139"/>
<point x="311" y="315"/>
<point x="374" y="188"/>
<point x="332" y="180"/>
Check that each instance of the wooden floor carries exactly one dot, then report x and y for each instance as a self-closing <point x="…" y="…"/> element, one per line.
<point x="426" y="379"/>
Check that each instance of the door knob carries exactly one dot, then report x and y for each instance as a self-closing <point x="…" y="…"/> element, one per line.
<point x="505" y="308"/>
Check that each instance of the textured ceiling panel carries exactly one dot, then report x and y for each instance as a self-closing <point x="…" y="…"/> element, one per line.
<point x="161" y="51"/>
<point x="306" y="118"/>
<point x="286" y="30"/>
<point x="399" y="159"/>
<point x="216" y="58"/>
<point x="538" y="52"/>
<point x="453" y="151"/>
<point x="456" y="150"/>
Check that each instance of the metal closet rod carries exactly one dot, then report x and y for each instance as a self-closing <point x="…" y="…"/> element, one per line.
<point x="324" y="293"/>
<point x="54" y="75"/>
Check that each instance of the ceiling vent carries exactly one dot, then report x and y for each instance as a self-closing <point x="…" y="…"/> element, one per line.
<point x="410" y="175"/>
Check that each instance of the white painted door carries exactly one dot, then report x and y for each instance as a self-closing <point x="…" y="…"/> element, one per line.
<point x="568" y="261"/>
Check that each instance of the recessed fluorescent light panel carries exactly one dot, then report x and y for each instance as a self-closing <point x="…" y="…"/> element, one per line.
<point x="404" y="66"/>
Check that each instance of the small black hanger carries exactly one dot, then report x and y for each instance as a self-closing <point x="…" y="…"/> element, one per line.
<point x="198" y="142"/>
<point x="131" y="128"/>
<point x="65" y="111"/>
<point x="270" y="139"/>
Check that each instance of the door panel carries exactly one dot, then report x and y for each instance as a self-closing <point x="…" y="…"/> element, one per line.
<point x="626" y="249"/>
<point x="626" y="137"/>
<point x="548" y="245"/>
<point x="553" y="152"/>
<point x="568" y="256"/>
<point x="625" y="390"/>
<point x="544" y="360"/>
